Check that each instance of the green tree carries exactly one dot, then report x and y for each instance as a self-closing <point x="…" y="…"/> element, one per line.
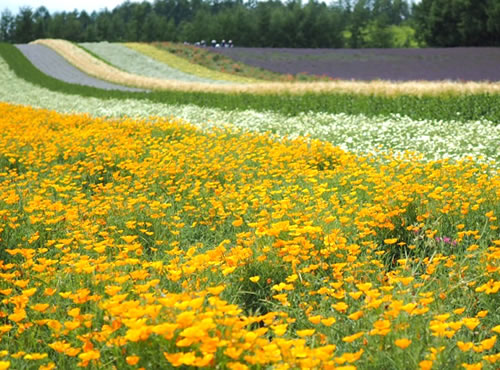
<point x="41" y="18"/>
<point x="493" y="22"/>
<point x="458" y="22"/>
<point x="7" y="26"/>
<point x="358" y="20"/>
<point x="24" y="26"/>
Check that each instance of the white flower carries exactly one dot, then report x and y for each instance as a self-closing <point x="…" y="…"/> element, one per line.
<point x="434" y="139"/>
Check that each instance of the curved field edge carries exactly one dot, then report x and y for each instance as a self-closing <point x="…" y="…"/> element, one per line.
<point x="159" y="245"/>
<point x="90" y="52"/>
<point x="460" y="108"/>
<point x="139" y="64"/>
<point x="102" y="70"/>
<point x="184" y="65"/>
<point x="54" y="65"/>
<point x="217" y="62"/>
<point x="433" y="139"/>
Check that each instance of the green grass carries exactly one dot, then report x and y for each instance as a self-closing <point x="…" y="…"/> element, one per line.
<point x="462" y="108"/>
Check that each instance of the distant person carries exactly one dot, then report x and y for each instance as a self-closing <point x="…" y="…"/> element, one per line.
<point x="230" y="44"/>
<point x="214" y="42"/>
<point x="203" y="43"/>
<point x="223" y="44"/>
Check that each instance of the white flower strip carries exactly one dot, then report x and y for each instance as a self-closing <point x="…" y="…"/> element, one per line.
<point x="435" y="139"/>
<point x="134" y="62"/>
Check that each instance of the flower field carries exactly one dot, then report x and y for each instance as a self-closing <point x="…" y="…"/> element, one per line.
<point x="107" y="71"/>
<point x="134" y="62"/>
<point x="137" y="233"/>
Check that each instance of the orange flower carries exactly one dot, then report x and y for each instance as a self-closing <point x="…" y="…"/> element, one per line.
<point x="402" y="343"/>
<point x="18" y="315"/>
<point x="425" y="365"/>
<point x="132" y="360"/>
<point x="305" y="332"/>
<point x="353" y="337"/>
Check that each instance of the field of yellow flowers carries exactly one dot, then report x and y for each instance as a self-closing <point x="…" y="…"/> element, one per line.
<point x="127" y="244"/>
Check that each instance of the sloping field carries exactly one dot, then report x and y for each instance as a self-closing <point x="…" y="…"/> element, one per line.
<point x="461" y="108"/>
<point x="54" y="65"/>
<point x="435" y="139"/>
<point x="137" y="63"/>
<point x="159" y="245"/>
<point x="144" y="232"/>
<point x="457" y="64"/>
<point x="99" y="69"/>
<point x="216" y="62"/>
<point x="185" y="65"/>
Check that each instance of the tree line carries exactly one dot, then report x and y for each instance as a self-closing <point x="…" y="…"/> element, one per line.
<point x="271" y="23"/>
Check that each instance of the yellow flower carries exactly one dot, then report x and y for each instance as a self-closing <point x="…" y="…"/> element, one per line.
<point x="381" y="327"/>
<point x="329" y="321"/>
<point x="305" y="332"/>
<point x="129" y="238"/>
<point x="35" y="356"/>
<point x="340" y="306"/>
<point x="390" y="241"/>
<point x="425" y="365"/>
<point x="353" y="337"/>
<point x="477" y="366"/>
<point x="356" y="315"/>
<point x="237" y="366"/>
<point x="488" y="344"/>
<point x="315" y="319"/>
<point x="132" y="360"/>
<point x="355" y="295"/>
<point x="482" y="314"/>
<point x="4" y="365"/>
<point x="72" y="325"/>
<point x="18" y="315"/>
<point x="238" y="222"/>
<point x="40" y="307"/>
<point x="402" y="343"/>
<point x="49" y="366"/>
<point x="90" y="355"/>
<point x="279" y="330"/>
<point x="471" y="323"/>
<point x="255" y="279"/>
<point x="464" y="347"/>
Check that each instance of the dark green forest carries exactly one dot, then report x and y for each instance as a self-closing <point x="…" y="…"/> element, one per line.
<point x="271" y="23"/>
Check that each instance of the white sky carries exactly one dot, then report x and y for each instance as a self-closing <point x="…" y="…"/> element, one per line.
<point x="61" y="5"/>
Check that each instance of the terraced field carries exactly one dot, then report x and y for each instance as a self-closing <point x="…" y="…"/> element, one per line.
<point x="244" y="224"/>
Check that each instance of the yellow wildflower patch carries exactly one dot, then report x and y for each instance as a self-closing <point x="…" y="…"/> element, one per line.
<point x="153" y="236"/>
